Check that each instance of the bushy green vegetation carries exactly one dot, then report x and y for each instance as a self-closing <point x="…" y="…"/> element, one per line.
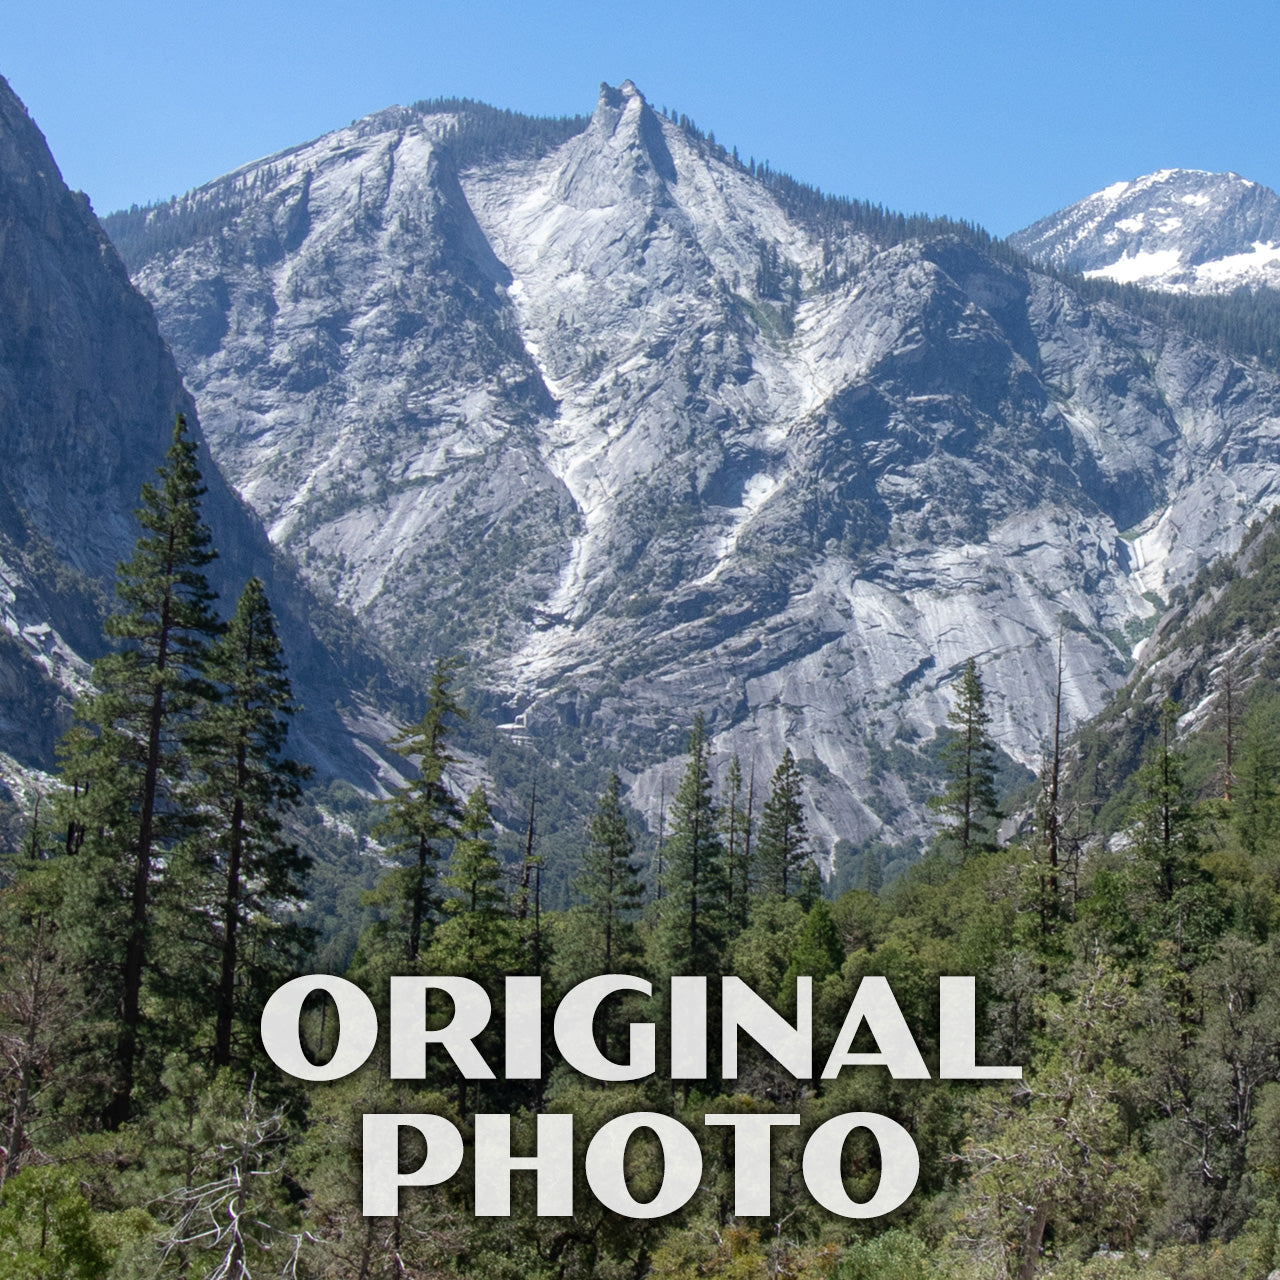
<point x="1126" y="955"/>
<point x="1136" y="983"/>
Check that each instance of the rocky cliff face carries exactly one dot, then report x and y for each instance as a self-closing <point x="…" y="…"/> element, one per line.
<point x="1178" y="229"/>
<point x="1216" y="655"/>
<point x="618" y="421"/>
<point x="88" y="396"/>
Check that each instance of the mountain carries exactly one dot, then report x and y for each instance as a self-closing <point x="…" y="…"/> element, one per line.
<point x="88" y="396"/>
<point x="1178" y="229"/>
<point x="1216" y="654"/>
<point x="640" y="429"/>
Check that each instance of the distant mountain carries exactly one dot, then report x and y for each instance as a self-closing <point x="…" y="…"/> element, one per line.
<point x="642" y="430"/>
<point x="1178" y="229"/>
<point x="88" y="396"/>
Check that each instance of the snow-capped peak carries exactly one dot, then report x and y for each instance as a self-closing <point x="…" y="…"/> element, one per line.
<point x="1180" y="229"/>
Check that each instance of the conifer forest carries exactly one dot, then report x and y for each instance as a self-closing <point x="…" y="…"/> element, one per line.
<point x="1125" y="942"/>
<point x="651" y="723"/>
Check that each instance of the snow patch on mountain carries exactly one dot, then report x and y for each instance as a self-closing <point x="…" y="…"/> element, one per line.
<point x="1134" y="268"/>
<point x="1183" y="230"/>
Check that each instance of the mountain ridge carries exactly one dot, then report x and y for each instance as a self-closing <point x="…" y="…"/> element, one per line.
<point x="682" y="448"/>
<point x="88" y="397"/>
<point x="1185" y="230"/>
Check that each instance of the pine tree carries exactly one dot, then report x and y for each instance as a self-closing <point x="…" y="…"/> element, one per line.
<point x="599" y="934"/>
<point x="41" y="1010"/>
<point x="527" y="904"/>
<point x="872" y="871"/>
<point x="478" y="939"/>
<point x="1255" y="802"/>
<point x="245" y="871"/>
<point x="969" y="799"/>
<point x="422" y="817"/>
<point x="782" y="846"/>
<point x="691" y="938"/>
<point x="1165" y="835"/>
<point x="212" y="1171"/>
<point x="610" y="884"/>
<point x="736" y="822"/>
<point x="819" y="953"/>
<point x="127" y="765"/>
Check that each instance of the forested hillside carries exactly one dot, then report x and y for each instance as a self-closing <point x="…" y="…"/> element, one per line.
<point x="745" y="552"/>
<point x="1125" y="958"/>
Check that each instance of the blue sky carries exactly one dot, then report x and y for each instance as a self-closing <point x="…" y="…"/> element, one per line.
<point x="996" y="111"/>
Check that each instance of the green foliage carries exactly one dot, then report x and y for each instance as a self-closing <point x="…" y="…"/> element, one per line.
<point x="691" y="927"/>
<point x="1164" y="819"/>
<point x="128" y="763"/>
<point x="737" y="823"/>
<point x="1058" y="1151"/>
<point x="895" y="1255"/>
<point x="241" y="876"/>
<point x="782" y="846"/>
<point x="968" y="801"/>
<point x="762" y="953"/>
<point x="47" y="1228"/>
<point x="1255" y="812"/>
<point x="210" y="1171"/>
<point x="1147" y="1025"/>
<point x="421" y="823"/>
<point x="1210" y="1044"/>
<point x="478" y="937"/>
<point x="601" y="934"/>
<point x="819" y="952"/>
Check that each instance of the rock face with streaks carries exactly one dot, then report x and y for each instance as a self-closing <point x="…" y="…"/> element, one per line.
<point x="88" y="396"/>
<point x="1178" y="229"/>
<point x="641" y="432"/>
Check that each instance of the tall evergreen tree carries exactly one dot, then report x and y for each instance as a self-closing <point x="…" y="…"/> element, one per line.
<point x="692" y="928"/>
<point x="1255" y="801"/>
<point x="610" y="884"/>
<point x="128" y="767"/>
<point x="479" y="938"/>
<point x="969" y="800"/>
<point x="736" y="823"/>
<point x="527" y="904"/>
<point x="599" y="934"/>
<point x="422" y="818"/>
<point x="1165" y="821"/>
<point x="247" y="870"/>
<point x="819" y="952"/>
<point x="782" y="847"/>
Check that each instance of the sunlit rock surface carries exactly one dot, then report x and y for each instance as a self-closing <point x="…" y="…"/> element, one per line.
<point x="606" y="417"/>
